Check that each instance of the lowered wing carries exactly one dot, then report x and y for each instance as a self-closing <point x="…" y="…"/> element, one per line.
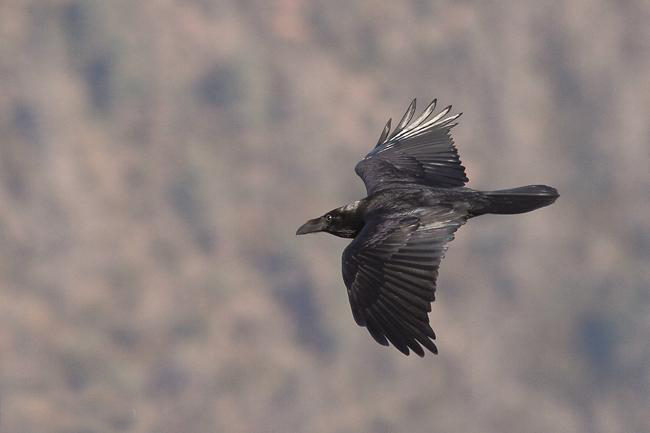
<point x="420" y="152"/>
<point x="390" y="271"/>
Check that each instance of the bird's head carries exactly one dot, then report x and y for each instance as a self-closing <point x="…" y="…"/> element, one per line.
<point x="344" y="222"/>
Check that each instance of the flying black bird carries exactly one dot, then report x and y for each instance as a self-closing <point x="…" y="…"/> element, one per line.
<point x="416" y="201"/>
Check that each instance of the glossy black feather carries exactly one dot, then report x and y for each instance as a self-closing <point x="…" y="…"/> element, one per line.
<point x="393" y="295"/>
<point x="422" y="152"/>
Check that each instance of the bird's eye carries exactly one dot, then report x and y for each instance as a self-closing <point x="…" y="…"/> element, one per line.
<point x="328" y="218"/>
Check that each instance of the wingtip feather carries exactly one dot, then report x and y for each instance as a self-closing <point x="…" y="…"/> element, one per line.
<point x="406" y="118"/>
<point x="384" y="133"/>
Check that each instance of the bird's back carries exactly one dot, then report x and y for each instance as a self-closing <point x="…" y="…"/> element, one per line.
<point x="407" y="197"/>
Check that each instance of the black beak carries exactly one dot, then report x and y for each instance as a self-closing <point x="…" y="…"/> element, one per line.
<point x="311" y="226"/>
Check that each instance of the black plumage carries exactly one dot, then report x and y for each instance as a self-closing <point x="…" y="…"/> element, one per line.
<point x="416" y="201"/>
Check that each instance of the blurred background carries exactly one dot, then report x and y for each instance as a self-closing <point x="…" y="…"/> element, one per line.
<point x="157" y="156"/>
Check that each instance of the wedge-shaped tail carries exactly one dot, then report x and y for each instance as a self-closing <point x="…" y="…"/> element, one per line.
<point x="519" y="200"/>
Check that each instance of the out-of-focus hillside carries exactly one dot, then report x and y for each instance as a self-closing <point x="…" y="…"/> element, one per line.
<point x="156" y="158"/>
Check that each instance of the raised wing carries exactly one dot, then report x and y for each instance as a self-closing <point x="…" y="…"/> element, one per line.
<point x="390" y="270"/>
<point x="420" y="152"/>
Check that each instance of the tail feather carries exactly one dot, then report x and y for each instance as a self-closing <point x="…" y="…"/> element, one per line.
<point x="519" y="200"/>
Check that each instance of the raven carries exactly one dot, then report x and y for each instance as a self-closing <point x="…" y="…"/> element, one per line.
<point x="416" y="201"/>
